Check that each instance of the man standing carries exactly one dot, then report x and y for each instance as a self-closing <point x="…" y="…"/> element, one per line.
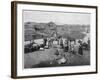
<point x="80" y="51"/>
<point x="61" y="42"/>
<point x="45" y="41"/>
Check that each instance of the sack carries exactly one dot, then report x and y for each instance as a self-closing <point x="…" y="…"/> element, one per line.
<point x="62" y="60"/>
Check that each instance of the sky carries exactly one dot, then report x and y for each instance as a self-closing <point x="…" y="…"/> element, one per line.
<point x="56" y="17"/>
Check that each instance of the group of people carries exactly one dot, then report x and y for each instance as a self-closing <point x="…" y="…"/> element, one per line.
<point x="71" y="46"/>
<point x="62" y="47"/>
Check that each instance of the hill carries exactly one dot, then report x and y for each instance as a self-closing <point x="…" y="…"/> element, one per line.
<point x="35" y="30"/>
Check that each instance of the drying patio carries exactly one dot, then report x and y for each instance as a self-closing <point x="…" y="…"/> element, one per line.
<point x="47" y="58"/>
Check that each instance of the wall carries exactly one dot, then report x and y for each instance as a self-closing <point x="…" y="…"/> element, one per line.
<point x="5" y="40"/>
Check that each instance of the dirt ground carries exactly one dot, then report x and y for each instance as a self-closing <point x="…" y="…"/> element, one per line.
<point x="47" y="58"/>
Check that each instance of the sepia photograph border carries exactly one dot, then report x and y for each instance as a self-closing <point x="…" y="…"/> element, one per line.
<point x="14" y="52"/>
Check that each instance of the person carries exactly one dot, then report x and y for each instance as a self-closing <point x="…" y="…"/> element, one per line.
<point x="76" y="46"/>
<point x="66" y="47"/>
<point x="61" y="42"/>
<point x="57" y="52"/>
<point x="45" y="41"/>
<point x="72" y="46"/>
<point x="80" y="51"/>
<point x="88" y="44"/>
<point x="60" y="56"/>
<point x="69" y="46"/>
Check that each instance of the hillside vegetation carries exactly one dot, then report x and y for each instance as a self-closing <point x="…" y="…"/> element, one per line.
<point x="35" y="30"/>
